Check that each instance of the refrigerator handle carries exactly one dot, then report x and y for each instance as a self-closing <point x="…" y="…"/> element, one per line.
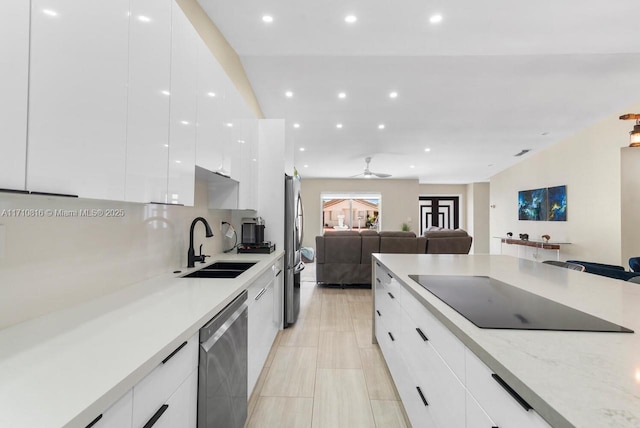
<point x="299" y="268"/>
<point x="301" y="215"/>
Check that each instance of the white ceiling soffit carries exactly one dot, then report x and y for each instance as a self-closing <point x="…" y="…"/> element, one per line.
<point x="477" y="88"/>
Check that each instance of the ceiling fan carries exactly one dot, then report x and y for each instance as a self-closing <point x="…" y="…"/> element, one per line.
<point x="368" y="173"/>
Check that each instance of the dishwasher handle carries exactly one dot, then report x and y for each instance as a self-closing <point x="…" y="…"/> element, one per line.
<point x="209" y="343"/>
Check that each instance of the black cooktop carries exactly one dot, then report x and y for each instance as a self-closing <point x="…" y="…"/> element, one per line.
<point x="489" y="303"/>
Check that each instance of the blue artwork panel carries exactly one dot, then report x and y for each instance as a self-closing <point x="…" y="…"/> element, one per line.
<point x="557" y="203"/>
<point x="532" y="204"/>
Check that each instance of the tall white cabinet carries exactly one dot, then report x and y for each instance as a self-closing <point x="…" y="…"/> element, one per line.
<point x="149" y="96"/>
<point x="14" y="69"/>
<point x="78" y="97"/>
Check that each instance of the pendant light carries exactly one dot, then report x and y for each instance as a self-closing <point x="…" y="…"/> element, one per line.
<point x="634" y="135"/>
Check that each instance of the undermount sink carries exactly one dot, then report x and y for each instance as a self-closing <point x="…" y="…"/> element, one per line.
<point x="221" y="270"/>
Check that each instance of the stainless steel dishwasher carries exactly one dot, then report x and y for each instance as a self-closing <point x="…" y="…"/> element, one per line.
<point x="222" y="381"/>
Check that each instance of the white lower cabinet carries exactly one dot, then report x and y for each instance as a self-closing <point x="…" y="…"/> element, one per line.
<point x="264" y="299"/>
<point x="440" y="381"/>
<point x="181" y="406"/>
<point x="154" y="391"/>
<point x="506" y="409"/>
<point x="116" y="416"/>
<point x="476" y="416"/>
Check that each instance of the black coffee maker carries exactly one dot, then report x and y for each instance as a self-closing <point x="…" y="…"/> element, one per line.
<point x="252" y="231"/>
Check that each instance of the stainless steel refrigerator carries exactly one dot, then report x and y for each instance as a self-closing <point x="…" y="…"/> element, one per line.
<point x="293" y="222"/>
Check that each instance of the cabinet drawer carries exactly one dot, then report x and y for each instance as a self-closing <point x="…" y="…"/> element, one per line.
<point x="450" y="348"/>
<point x="476" y="416"/>
<point x="440" y="387"/>
<point x="497" y="402"/>
<point x="261" y="333"/>
<point x="154" y="390"/>
<point x="116" y="416"/>
<point x="181" y="407"/>
<point x="256" y="286"/>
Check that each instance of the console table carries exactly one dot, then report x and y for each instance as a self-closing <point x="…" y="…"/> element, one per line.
<point x="535" y="244"/>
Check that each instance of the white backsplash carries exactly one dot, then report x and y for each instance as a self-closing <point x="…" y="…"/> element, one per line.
<point x="54" y="262"/>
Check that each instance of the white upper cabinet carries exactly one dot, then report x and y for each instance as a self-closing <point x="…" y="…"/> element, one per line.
<point x="14" y="69"/>
<point x="210" y="127"/>
<point x="148" y="101"/>
<point x="183" y="119"/>
<point x="78" y="97"/>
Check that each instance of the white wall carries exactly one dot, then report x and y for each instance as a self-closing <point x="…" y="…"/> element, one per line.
<point x="588" y="163"/>
<point x="478" y="217"/>
<point x="630" y="177"/>
<point x="51" y="263"/>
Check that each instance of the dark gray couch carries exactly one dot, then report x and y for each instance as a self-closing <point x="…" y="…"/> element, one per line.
<point x="344" y="257"/>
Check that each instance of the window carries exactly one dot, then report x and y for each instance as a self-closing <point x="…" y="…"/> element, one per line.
<point x="350" y="211"/>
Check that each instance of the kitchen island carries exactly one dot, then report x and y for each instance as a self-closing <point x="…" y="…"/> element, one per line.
<point x="569" y="379"/>
<point x="65" y="368"/>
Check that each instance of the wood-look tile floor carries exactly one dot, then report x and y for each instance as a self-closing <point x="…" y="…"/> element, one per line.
<point x="324" y="371"/>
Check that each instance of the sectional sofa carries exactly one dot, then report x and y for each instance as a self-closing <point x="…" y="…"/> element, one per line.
<point x="344" y="257"/>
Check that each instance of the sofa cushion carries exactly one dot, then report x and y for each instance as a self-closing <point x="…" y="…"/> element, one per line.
<point x="342" y="247"/>
<point x="445" y="233"/>
<point x="370" y="245"/>
<point x="398" y="242"/>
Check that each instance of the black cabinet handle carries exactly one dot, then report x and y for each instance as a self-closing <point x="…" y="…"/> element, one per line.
<point x="377" y="264"/>
<point x="165" y="203"/>
<point x="156" y="416"/>
<point x="378" y="279"/>
<point x="64" y="195"/>
<point x="511" y="392"/>
<point x="390" y="295"/>
<point x="389" y="275"/>
<point x="95" y="421"/>
<point x="24" y="192"/>
<point x="391" y="336"/>
<point x="422" y="335"/>
<point x="424" y="400"/>
<point x="174" y="352"/>
<point x="379" y="314"/>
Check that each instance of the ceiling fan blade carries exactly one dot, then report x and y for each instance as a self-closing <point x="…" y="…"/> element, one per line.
<point x="357" y="175"/>
<point x="381" y="175"/>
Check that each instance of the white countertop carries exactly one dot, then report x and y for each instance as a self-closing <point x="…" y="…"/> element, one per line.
<point x="65" y="368"/>
<point x="572" y="379"/>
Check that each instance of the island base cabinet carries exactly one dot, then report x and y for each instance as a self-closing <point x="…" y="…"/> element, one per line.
<point x="499" y="404"/>
<point x="476" y="417"/>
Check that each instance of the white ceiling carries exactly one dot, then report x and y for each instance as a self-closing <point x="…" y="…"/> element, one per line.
<point x="479" y="87"/>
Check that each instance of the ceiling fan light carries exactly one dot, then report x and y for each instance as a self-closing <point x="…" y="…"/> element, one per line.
<point x="634" y="136"/>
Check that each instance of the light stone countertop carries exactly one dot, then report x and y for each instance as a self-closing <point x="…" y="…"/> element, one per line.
<point x="65" y="368"/>
<point x="572" y="379"/>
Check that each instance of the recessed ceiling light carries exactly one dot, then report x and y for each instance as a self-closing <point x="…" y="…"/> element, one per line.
<point x="178" y="161"/>
<point x="339" y="126"/>
<point x="211" y="94"/>
<point x="435" y="19"/>
<point x="296" y="125"/>
<point x="393" y="95"/>
<point x="267" y="18"/>
<point x="350" y="19"/>
<point x="241" y="141"/>
<point x="166" y="145"/>
<point x="302" y="149"/>
<point x="342" y="95"/>
<point x="254" y="160"/>
<point x="143" y="18"/>
<point x="166" y="93"/>
<point x="288" y="94"/>
<point x="229" y="125"/>
<point x="306" y="166"/>
<point x="427" y="149"/>
<point x="184" y="122"/>
<point x="381" y="126"/>
<point x="412" y="166"/>
<point x="49" y="12"/>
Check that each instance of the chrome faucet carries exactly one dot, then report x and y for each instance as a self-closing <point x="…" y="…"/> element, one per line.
<point x="191" y="256"/>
